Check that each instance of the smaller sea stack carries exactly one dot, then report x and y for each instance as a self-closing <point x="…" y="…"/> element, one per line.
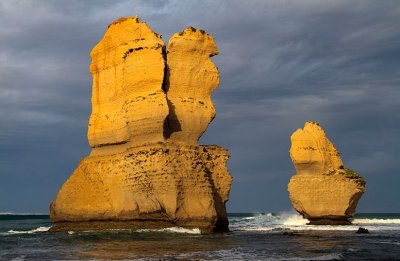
<point x="323" y="190"/>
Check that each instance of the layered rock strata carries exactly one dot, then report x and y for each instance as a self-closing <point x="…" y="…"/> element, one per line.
<point x="190" y="69"/>
<point x="143" y="172"/>
<point x="128" y="102"/>
<point x="323" y="190"/>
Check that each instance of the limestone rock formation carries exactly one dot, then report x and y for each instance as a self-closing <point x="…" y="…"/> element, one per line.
<point x="192" y="77"/>
<point x="142" y="171"/>
<point x="128" y="103"/>
<point x="322" y="190"/>
<point x="312" y="152"/>
<point x="187" y="185"/>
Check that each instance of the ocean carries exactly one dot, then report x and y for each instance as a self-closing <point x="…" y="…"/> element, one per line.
<point x="253" y="236"/>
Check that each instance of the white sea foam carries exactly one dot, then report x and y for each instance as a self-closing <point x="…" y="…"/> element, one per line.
<point x="249" y="218"/>
<point x="253" y="229"/>
<point x="23" y="214"/>
<point x="294" y="221"/>
<point x="173" y="230"/>
<point x="325" y="227"/>
<point x="268" y="222"/>
<point x="182" y="230"/>
<point x="36" y="230"/>
<point x="168" y="230"/>
<point x="375" y="221"/>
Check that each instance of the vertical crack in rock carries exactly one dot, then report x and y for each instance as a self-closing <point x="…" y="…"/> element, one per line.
<point x="167" y="127"/>
<point x="149" y="108"/>
<point x="323" y="190"/>
<point x="165" y="79"/>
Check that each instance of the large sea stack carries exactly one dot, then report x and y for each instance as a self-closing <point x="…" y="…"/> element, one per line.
<point x="323" y="190"/>
<point x="150" y="106"/>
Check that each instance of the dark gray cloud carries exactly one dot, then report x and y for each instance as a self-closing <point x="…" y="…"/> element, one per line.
<point x="281" y="63"/>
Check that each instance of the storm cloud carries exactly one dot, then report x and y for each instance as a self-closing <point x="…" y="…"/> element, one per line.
<point x="281" y="62"/>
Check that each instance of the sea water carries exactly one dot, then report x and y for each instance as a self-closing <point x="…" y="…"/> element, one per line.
<point x="253" y="236"/>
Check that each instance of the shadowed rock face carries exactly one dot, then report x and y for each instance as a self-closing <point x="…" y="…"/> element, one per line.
<point x="143" y="169"/>
<point x="322" y="190"/>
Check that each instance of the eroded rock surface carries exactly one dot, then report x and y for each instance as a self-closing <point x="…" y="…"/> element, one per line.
<point x="128" y="103"/>
<point x="322" y="190"/>
<point x="192" y="77"/>
<point x="140" y="172"/>
<point x="187" y="185"/>
<point x="312" y="152"/>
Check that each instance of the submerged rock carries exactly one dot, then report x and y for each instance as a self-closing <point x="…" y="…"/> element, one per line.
<point x="322" y="190"/>
<point x="362" y="230"/>
<point x="143" y="171"/>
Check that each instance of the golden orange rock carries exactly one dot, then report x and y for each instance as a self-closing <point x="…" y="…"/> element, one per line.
<point x="192" y="77"/>
<point x="128" y="103"/>
<point x="312" y="152"/>
<point x="183" y="184"/>
<point x="141" y="172"/>
<point x="322" y="190"/>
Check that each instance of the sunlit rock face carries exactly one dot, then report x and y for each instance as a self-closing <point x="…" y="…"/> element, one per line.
<point x="143" y="171"/>
<point x="128" y="103"/>
<point x="192" y="77"/>
<point x="312" y="152"/>
<point x="322" y="190"/>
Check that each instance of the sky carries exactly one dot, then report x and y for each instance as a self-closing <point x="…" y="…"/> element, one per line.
<point x="281" y="63"/>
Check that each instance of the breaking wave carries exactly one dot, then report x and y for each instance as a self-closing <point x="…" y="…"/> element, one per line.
<point x="294" y="221"/>
<point x="22" y="214"/>
<point x="375" y="221"/>
<point x="180" y="230"/>
<point x="273" y="222"/>
<point x="33" y="231"/>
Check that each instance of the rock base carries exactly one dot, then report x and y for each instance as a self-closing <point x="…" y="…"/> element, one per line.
<point x="173" y="184"/>
<point x="327" y="221"/>
<point x="128" y="225"/>
<point x="326" y="199"/>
